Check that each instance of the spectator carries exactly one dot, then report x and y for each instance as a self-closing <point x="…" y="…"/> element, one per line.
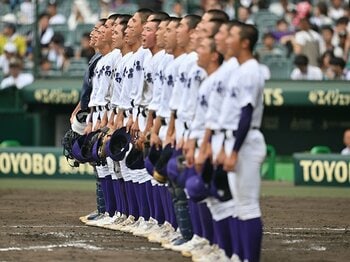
<point x="177" y="9"/>
<point x="340" y="26"/>
<point x="55" y="18"/>
<point x="16" y="78"/>
<point x="269" y="46"/>
<point x="336" y="10"/>
<point x="304" y="71"/>
<point x="327" y="34"/>
<point x="56" y="51"/>
<point x="281" y="7"/>
<point x="10" y="52"/>
<point x="307" y="42"/>
<point x="81" y="14"/>
<point x="325" y="64"/>
<point x="346" y="140"/>
<point x="9" y="35"/>
<point x="244" y="15"/>
<point x="338" y="69"/>
<point x="26" y="12"/>
<point x="320" y="16"/>
<point x="303" y="10"/>
<point x="45" y="31"/>
<point x="85" y="49"/>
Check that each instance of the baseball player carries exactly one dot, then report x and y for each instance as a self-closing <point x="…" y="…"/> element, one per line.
<point x="244" y="149"/>
<point x="83" y="105"/>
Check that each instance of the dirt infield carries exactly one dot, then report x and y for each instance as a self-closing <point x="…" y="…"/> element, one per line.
<point x="39" y="225"/>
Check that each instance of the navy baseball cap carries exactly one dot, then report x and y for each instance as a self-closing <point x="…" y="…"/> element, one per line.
<point x="160" y="170"/>
<point x="196" y="188"/>
<point x="118" y="144"/>
<point x="151" y="159"/>
<point x="219" y="187"/>
<point x="134" y="160"/>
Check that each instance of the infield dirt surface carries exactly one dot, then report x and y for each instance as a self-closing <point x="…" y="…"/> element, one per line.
<point x="43" y="225"/>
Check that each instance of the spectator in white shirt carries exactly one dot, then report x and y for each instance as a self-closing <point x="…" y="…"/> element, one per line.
<point x="16" y="78"/>
<point x="346" y="139"/>
<point x="304" y="71"/>
<point x="10" y="51"/>
<point x="55" y="18"/>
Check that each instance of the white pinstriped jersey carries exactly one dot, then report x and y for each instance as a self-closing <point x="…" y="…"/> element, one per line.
<point x="187" y="106"/>
<point x="133" y="79"/>
<point x="245" y="88"/>
<point x="118" y="79"/>
<point x="170" y="74"/>
<point x="102" y="79"/>
<point x="222" y="78"/>
<point x="158" y="81"/>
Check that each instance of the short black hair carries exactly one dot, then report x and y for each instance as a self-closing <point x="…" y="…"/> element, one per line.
<point x="217" y="23"/>
<point x="301" y="60"/>
<point x="113" y="16"/>
<point x="192" y="20"/>
<point x="124" y="18"/>
<point x="144" y="13"/>
<point x="160" y="15"/>
<point x="337" y="61"/>
<point x="218" y="14"/>
<point x="249" y="32"/>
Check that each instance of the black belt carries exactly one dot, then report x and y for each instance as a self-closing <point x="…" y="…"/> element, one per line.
<point x="143" y="110"/>
<point x="162" y="121"/>
<point x="230" y="133"/>
<point x="128" y="110"/>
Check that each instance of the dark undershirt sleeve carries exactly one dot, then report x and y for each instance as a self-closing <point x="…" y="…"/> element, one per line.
<point x="243" y="126"/>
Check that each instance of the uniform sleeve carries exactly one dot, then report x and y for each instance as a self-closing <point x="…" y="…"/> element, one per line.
<point x="249" y="88"/>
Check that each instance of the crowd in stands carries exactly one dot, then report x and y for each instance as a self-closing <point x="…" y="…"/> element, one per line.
<point x="299" y="40"/>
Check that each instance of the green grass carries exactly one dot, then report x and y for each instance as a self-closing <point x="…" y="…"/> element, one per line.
<point x="269" y="188"/>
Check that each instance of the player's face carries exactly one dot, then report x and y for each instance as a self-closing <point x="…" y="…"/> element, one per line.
<point x="160" y="34"/>
<point x="108" y="28"/>
<point x="99" y="37"/>
<point x="220" y="39"/>
<point x="347" y="138"/>
<point x="182" y="33"/>
<point x="195" y="36"/>
<point x="204" y="53"/>
<point x="149" y="35"/>
<point x="170" y="37"/>
<point x="93" y="35"/>
<point x="233" y="41"/>
<point x="135" y="28"/>
<point x="117" y="37"/>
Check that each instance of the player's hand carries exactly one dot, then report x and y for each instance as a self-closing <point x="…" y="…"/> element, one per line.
<point x="88" y="128"/>
<point x="170" y="139"/>
<point x="220" y="159"/>
<point x="190" y="157"/>
<point x="97" y="126"/>
<point x="104" y="122"/>
<point x="129" y="124"/>
<point x="135" y="129"/>
<point x="155" y="141"/>
<point x="72" y="116"/>
<point x="230" y="162"/>
<point x="180" y="144"/>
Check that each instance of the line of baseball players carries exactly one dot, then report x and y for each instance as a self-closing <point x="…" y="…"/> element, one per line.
<point x="188" y="95"/>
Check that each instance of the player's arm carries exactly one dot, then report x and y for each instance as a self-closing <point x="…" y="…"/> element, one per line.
<point x="76" y="109"/>
<point x="242" y="131"/>
<point x="155" y="140"/>
<point x="171" y="130"/>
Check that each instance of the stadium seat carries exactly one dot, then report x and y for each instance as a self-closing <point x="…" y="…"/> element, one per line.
<point x="80" y="30"/>
<point x="320" y="150"/>
<point x="9" y="143"/>
<point x="280" y="67"/>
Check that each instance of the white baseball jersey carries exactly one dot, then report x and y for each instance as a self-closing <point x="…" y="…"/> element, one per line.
<point x="158" y="80"/>
<point x="222" y="77"/>
<point x="134" y="79"/>
<point x="170" y="75"/>
<point x="151" y="64"/>
<point x="244" y="88"/>
<point x="197" y="128"/>
<point x="118" y="79"/>
<point x="187" y="106"/>
<point x="181" y="79"/>
<point x="102" y="79"/>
